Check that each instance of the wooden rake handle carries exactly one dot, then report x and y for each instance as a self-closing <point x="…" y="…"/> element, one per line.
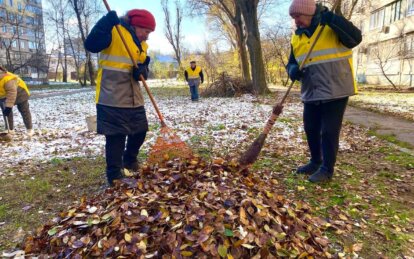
<point x="154" y="103"/>
<point x="271" y="121"/>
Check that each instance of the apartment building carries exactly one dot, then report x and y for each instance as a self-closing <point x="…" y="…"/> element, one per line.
<point x="386" y="54"/>
<point x="22" y="38"/>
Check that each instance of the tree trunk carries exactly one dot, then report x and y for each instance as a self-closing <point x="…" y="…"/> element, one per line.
<point x="249" y="12"/>
<point x="88" y="54"/>
<point x="84" y="74"/>
<point x="244" y="62"/>
<point x="77" y="65"/>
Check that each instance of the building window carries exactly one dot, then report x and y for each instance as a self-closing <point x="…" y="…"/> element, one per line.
<point x="4" y="29"/>
<point x="393" y="12"/>
<point x="22" y="44"/>
<point x="14" y="44"/>
<point x="3" y="13"/>
<point x="377" y="19"/>
<point x="32" y="45"/>
<point x="11" y="2"/>
<point x="410" y="8"/>
<point x="1" y="1"/>
<point x="29" y="20"/>
<point x="19" y="6"/>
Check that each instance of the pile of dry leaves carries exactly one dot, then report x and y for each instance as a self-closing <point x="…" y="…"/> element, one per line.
<point x="227" y="86"/>
<point x="192" y="209"/>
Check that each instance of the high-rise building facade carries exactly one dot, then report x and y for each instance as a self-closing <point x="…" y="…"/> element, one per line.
<point x="22" y="38"/>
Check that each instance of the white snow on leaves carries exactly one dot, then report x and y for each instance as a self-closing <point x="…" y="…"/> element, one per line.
<point x="217" y="125"/>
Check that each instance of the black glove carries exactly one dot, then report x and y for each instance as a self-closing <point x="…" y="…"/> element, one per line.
<point x="294" y="73"/>
<point x="141" y="70"/>
<point x="7" y="111"/>
<point x="327" y="17"/>
<point x="202" y="81"/>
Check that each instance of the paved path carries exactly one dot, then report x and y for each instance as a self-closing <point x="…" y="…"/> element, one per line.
<point x="383" y="124"/>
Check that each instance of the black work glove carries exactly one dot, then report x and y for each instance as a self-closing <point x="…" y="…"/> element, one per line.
<point x="7" y="111"/>
<point x="141" y="70"/>
<point x="294" y="73"/>
<point x="327" y="18"/>
<point x="202" y="81"/>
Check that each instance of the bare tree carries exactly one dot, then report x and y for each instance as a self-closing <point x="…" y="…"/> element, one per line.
<point x="85" y="10"/>
<point x="173" y="29"/>
<point x="58" y="16"/>
<point x="385" y="54"/>
<point x="278" y="38"/>
<point x="228" y="16"/>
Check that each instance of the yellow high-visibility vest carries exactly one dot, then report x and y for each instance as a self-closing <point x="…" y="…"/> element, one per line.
<point x="114" y="82"/>
<point x="328" y="72"/>
<point x="10" y="76"/>
<point x="193" y="74"/>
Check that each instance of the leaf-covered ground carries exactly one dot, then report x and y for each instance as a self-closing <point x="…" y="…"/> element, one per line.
<point x="370" y="195"/>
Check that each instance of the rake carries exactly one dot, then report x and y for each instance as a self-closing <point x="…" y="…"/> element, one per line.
<point x="168" y="145"/>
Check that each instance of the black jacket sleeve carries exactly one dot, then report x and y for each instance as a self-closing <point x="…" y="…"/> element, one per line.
<point x="201" y="76"/>
<point x="186" y="75"/>
<point x="348" y="33"/>
<point x="100" y="37"/>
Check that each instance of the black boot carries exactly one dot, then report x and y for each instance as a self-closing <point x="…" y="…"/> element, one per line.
<point x="113" y="176"/>
<point x="309" y="168"/>
<point x="134" y="166"/>
<point x="321" y="176"/>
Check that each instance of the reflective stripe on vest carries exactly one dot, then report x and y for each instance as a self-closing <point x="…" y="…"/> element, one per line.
<point x="328" y="49"/>
<point x="193" y="74"/>
<point x="10" y="76"/>
<point x="114" y="82"/>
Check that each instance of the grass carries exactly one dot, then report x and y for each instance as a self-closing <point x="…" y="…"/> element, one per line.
<point x="390" y="138"/>
<point x="30" y="200"/>
<point x="385" y="214"/>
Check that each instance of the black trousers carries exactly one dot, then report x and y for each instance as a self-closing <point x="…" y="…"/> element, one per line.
<point x="117" y="155"/>
<point x="323" y="122"/>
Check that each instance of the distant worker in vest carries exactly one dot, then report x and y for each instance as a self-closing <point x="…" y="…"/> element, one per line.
<point x="14" y="91"/>
<point x="327" y="80"/>
<point x="121" y="115"/>
<point x="194" y="77"/>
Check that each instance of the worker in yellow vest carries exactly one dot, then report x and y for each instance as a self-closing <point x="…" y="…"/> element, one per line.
<point x="121" y="114"/>
<point x="327" y="80"/>
<point x="14" y="91"/>
<point x="194" y="77"/>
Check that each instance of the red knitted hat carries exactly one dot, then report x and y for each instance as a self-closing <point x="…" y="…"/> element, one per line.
<point x="141" y="18"/>
<point x="307" y="7"/>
